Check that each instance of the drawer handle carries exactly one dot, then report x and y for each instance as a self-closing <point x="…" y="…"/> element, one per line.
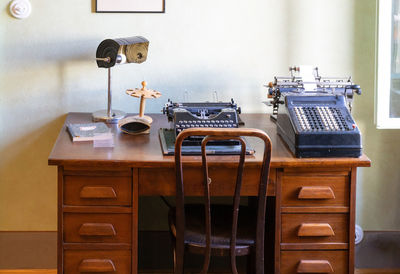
<point x="97" y="229"/>
<point x="315" y="230"/>
<point x="98" y="192"/>
<point x="314" y="266"/>
<point x="97" y="265"/>
<point x="316" y="192"/>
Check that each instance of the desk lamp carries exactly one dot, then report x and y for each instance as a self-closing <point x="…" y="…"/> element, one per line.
<point x="118" y="51"/>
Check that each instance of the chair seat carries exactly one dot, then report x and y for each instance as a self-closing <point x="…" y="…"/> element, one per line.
<point x="221" y="227"/>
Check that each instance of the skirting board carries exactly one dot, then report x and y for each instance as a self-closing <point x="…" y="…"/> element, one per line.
<point x="37" y="250"/>
<point x="54" y="271"/>
<point x="29" y="271"/>
<point x="25" y="250"/>
<point x="379" y="249"/>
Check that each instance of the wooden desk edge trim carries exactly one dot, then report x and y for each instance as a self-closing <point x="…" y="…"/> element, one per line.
<point x="303" y="162"/>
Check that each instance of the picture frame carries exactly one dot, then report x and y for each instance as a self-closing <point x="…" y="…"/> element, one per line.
<point x="130" y="6"/>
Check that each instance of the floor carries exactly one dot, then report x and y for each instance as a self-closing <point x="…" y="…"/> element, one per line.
<point x="379" y="249"/>
<point x="53" y="271"/>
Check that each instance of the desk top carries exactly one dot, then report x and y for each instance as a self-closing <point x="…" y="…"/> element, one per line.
<point x="145" y="150"/>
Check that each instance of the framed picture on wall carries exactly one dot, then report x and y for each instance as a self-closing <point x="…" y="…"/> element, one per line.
<point x="140" y="6"/>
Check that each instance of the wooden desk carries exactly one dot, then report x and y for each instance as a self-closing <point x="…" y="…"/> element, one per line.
<point x="98" y="190"/>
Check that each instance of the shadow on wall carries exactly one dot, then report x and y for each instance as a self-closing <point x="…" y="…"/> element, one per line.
<point x="194" y="84"/>
<point x="59" y="76"/>
<point x="378" y="187"/>
<point x="39" y="53"/>
<point x="94" y="5"/>
<point x="49" y="69"/>
<point x="26" y="174"/>
<point x="7" y="8"/>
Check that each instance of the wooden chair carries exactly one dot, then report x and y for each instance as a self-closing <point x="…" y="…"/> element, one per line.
<point x="217" y="229"/>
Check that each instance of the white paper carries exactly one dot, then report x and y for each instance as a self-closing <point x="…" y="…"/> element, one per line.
<point x="104" y="141"/>
<point x="307" y="73"/>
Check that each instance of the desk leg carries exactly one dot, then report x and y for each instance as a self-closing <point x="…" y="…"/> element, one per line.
<point x="60" y="232"/>
<point x="269" y="244"/>
<point x="135" y="211"/>
<point x="278" y="188"/>
<point x="352" y="221"/>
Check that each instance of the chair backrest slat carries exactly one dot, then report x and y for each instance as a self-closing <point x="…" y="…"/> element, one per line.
<point x="236" y="202"/>
<point x="222" y="134"/>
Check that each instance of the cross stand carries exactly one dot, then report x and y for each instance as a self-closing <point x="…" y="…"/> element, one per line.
<point x="139" y="124"/>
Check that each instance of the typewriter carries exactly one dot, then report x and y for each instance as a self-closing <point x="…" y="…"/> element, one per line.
<point x="207" y="114"/>
<point x="199" y="115"/>
<point x="316" y="119"/>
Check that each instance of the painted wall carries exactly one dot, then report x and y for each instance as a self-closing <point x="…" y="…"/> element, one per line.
<point x="378" y="187"/>
<point x="196" y="47"/>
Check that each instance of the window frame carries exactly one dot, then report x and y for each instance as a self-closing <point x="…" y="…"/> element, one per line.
<point x="383" y="68"/>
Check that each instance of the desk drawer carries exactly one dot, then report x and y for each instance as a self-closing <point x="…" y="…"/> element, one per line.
<point x="315" y="228"/>
<point x="315" y="191"/>
<point x="97" y="261"/>
<point x="97" y="190"/>
<point x="314" y="262"/>
<point x="97" y="228"/>
<point x="161" y="181"/>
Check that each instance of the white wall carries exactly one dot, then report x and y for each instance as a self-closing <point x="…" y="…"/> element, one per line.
<point x="233" y="47"/>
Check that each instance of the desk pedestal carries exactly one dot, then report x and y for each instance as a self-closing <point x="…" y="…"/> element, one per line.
<point x="98" y="216"/>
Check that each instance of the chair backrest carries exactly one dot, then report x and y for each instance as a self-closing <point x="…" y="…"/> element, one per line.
<point x="223" y="134"/>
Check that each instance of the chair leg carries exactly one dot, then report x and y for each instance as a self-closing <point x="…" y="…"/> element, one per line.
<point x="178" y="259"/>
<point x="178" y="263"/>
<point x="250" y="263"/>
<point x="177" y="253"/>
<point x="173" y="248"/>
<point x="173" y="252"/>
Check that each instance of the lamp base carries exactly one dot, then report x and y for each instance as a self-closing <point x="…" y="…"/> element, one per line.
<point x="102" y="116"/>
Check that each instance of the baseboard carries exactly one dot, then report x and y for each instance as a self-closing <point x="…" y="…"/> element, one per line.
<point x="38" y="250"/>
<point x="375" y="271"/>
<point x="155" y="253"/>
<point x="29" y="271"/>
<point x="379" y="249"/>
<point x="54" y="271"/>
<point x="28" y="250"/>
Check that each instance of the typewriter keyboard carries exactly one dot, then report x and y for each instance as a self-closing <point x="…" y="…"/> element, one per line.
<point x="320" y="118"/>
<point x="184" y="124"/>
